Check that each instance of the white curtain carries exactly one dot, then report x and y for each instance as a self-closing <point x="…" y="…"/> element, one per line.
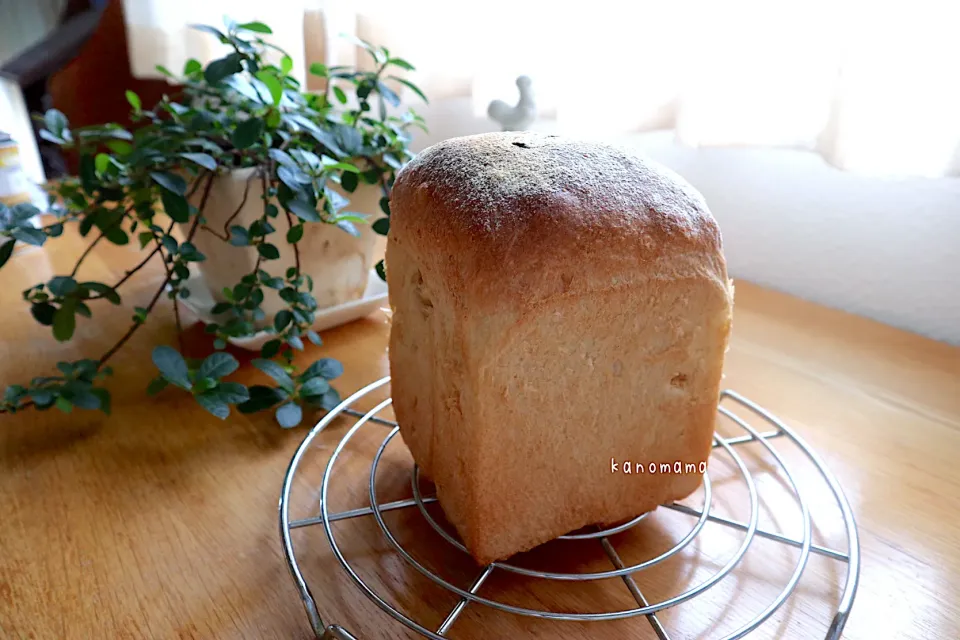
<point x="872" y="86"/>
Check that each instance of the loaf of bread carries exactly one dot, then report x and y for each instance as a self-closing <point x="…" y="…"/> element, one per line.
<point x="561" y="313"/>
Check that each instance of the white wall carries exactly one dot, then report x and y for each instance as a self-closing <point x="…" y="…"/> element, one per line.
<point x="888" y="249"/>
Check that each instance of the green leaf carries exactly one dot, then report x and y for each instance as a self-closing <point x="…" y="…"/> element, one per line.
<point x="43" y="313"/>
<point x="43" y="397"/>
<point x="318" y="69"/>
<point x="211" y="30"/>
<point x="217" y="70"/>
<point x="295" y="234"/>
<point x="385" y="205"/>
<point x="201" y="384"/>
<point x="349" y="227"/>
<point x="412" y="87"/>
<point x="351" y="217"/>
<point x="268" y="251"/>
<point x="217" y="365"/>
<point x="325" y="138"/>
<point x="282" y="157"/>
<point x="349" y="181"/>
<point x="176" y="206"/>
<point x="119" y="147"/>
<point x="156" y="386"/>
<point x="169" y="243"/>
<point x="273" y="119"/>
<point x="101" y="162"/>
<point x="64" y="322"/>
<point x="61" y="286"/>
<point x="88" y="174"/>
<point x="381" y="269"/>
<point x="388" y="94"/>
<point x="335" y="200"/>
<point x="104" y="397"/>
<point x="340" y="95"/>
<point x="247" y="133"/>
<point x="314" y="337"/>
<point x="272" y="83"/>
<point x="192" y="66"/>
<point x="49" y="137"/>
<point x="261" y="397"/>
<point x="282" y="319"/>
<point x="210" y="146"/>
<point x="392" y="160"/>
<point x="330" y="399"/>
<point x="275" y="371"/>
<point x="14" y="393"/>
<point x="256" y="27"/>
<point x="190" y="253"/>
<point x="172" y="366"/>
<point x="210" y="401"/>
<point x="303" y="210"/>
<point x="270" y="348"/>
<point x="84" y="310"/>
<point x="400" y="62"/>
<point x="289" y="415"/>
<point x="170" y="181"/>
<point x="294" y="179"/>
<point x="314" y="387"/>
<point x="117" y="236"/>
<point x="55" y="122"/>
<point x="80" y="395"/>
<point x="205" y="160"/>
<point x="232" y="392"/>
<point x="382" y="226"/>
<point x="63" y="404"/>
<point x="104" y="290"/>
<point x="239" y="236"/>
<point x="6" y="250"/>
<point x="286" y="64"/>
<point x="134" y="100"/>
<point x="145" y="238"/>
<point x="348" y="139"/>
<point x="325" y="367"/>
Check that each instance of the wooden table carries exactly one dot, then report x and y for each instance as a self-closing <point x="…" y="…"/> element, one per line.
<point x="160" y="521"/>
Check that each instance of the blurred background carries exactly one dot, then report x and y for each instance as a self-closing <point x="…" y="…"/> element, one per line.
<point x="824" y="135"/>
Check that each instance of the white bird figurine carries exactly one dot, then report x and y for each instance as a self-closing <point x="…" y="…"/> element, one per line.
<point x="519" y="117"/>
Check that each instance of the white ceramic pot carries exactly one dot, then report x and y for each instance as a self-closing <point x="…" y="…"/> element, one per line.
<point x="338" y="262"/>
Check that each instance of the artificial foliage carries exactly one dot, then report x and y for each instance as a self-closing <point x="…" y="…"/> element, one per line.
<point x="138" y="186"/>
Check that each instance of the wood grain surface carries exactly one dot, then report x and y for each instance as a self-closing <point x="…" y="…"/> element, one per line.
<point x="160" y="521"/>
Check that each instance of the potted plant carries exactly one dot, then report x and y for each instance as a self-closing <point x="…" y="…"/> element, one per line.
<point x="226" y="183"/>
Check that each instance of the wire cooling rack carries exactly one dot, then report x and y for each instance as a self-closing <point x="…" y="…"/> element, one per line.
<point x="325" y="631"/>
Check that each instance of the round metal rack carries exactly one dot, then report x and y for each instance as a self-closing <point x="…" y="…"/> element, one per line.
<point x="727" y="446"/>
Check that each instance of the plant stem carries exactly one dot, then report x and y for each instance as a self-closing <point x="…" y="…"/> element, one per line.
<point x="226" y="225"/>
<point x="140" y="265"/>
<point x="176" y="305"/>
<point x="153" y="302"/>
<point x="296" y="249"/>
<point x="90" y="247"/>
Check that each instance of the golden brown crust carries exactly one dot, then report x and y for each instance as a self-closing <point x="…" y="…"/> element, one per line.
<point x="533" y="202"/>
